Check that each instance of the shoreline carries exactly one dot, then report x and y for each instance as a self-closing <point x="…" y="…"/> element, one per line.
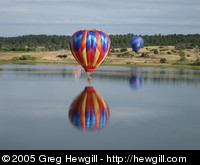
<point x="107" y="64"/>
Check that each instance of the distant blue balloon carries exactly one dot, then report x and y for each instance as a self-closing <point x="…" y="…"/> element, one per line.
<point x="136" y="43"/>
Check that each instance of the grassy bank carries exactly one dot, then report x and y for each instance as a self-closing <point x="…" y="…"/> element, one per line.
<point x="157" y="56"/>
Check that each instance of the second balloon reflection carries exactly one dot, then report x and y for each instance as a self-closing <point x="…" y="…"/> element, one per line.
<point x="89" y="111"/>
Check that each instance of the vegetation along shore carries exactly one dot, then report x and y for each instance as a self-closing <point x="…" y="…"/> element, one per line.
<point x="159" y="50"/>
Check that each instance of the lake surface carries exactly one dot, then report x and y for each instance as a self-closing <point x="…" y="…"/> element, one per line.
<point x="54" y="107"/>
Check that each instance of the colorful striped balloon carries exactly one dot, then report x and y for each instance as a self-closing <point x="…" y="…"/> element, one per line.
<point x="89" y="111"/>
<point x="90" y="47"/>
<point x="136" y="43"/>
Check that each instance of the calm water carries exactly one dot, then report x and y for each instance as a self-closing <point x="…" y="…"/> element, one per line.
<point x="54" y="107"/>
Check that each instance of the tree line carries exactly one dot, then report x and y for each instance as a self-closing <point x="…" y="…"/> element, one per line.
<point x="58" y="42"/>
<point x="179" y="40"/>
<point x="34" y="43"/>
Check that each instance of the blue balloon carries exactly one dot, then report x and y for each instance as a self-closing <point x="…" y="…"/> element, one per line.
<point x="136" y="43"/>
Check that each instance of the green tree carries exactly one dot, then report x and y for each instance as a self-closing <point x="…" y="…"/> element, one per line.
<point x="163" y="60"/>
<point x="155" y="51"/>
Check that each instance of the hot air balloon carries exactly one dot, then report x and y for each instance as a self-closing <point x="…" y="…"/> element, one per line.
<point x="90" y="47"/>
<point x="89" y="111"/>
<point x="136" y="43"/>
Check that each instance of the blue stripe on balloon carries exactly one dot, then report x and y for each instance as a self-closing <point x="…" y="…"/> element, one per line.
<point x="76" y="118"/>
<point x="91" y="41"/>
<point x="93" y="118"/>
<point x="90" y="119"/>
<point x="102" y="119"/>
<point x="77" y="40"/>
<point x="104" y="41"/>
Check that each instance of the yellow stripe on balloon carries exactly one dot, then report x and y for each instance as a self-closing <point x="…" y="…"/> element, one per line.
<point x="96" y="57"/>
<point x="103" y="102"/>
<point x="102" y="59"/>
<point x="85" y="56"/>
<point x="96" y="105"/>
<point x="74" y="54"/>
<point x="83" y="108"/>
<point x="84" y="102"/>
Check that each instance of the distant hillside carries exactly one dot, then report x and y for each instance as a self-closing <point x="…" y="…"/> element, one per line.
<point x="56" y="42"/>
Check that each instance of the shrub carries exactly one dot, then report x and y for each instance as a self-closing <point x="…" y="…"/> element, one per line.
<point x="123" y="50"/>
<point x="112" y="50"/>
<point x="23" y="57"/>
<point x="15" y="58"/>
<point x="62" y="56"/>
<point x="196" y="63"/>
<point x="182" y="55"/>
<point x="126" y="54"/>
<point x="163" y="60"/>
<point x="146" y="55"/>
<point x="155" y="51"/>
<point x="27" y="57"/>
<point x="183" y="58"/>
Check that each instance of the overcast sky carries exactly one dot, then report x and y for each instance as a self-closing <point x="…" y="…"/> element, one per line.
<point x="64" y="17"/>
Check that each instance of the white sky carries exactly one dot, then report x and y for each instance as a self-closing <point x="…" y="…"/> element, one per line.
<point x="64" y="17"/>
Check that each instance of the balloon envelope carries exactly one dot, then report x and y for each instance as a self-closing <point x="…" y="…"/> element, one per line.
<point x="89" y="47"/>
<point x="89" y="111"/>
<point x="136" y="43"/>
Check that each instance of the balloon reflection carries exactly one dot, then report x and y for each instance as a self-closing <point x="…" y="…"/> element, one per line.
<point x="136" y="80"/>
<point x="89" y="111"/>
<point x="77" y="72"/>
